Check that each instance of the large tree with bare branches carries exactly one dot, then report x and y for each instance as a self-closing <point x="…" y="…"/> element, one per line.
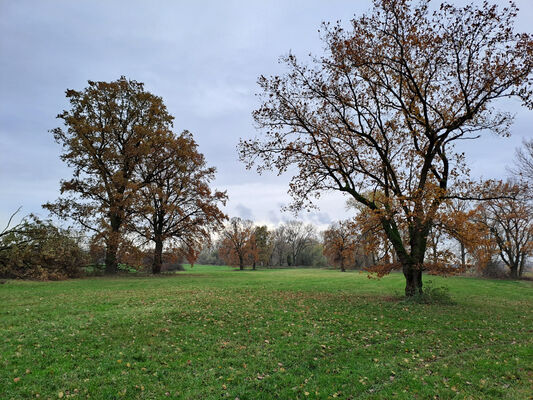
<point x="383" y="108"/>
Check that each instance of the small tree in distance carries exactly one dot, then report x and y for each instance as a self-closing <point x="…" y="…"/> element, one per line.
<point x="237" y="246"/>
<point x="383" y="108"/>
<point x="340" y="243"/>
<point x="263" y="241"/>
<point x="510" y="223"/>
<point x="298" y="237"/>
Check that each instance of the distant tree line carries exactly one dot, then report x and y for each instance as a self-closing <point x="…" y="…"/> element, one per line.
<point x="491" y="237"/>
<point x="243" y="244"/>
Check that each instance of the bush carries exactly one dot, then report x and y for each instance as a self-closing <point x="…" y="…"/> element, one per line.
<point x="37" y="249"/>
<point x="432" y="295"/>
<point x="172" y="267"/>
<point x="495" y="270"/>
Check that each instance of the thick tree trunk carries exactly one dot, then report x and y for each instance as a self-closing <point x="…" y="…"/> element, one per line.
<point x="111" y="262"/>
<point x="413" y="280"/>
<point x="253" y="266"/>
<point x="158" y="256"/>
<point x="112" y="243"/>
<point x="413" y="261"/>
<point x="241" y="263"/>
<point x="514" y="271"/>
<point x="342" y="266"/>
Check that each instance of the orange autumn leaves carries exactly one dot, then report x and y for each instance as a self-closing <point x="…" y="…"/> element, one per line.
<point x="383" y="107"/>
<point x="238" y="245"/>
<point x="135" y="181"/>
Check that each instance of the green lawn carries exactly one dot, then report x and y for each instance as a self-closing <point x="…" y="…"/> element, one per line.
<point x="211" y="333"/>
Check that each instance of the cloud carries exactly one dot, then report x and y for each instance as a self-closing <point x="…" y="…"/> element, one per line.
<point x="244" y="212"/>
<point x="321" y="218"/>
<point x="273" y="216"/>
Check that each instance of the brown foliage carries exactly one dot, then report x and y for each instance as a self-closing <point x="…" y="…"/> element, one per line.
<point x="36" y="249"/>
<point x="238" y="246"/>
<point x="340" y="243"/>
<point x="110" y="130"/>
<point x="381" y="110"/>
<point x="176" y="205"/>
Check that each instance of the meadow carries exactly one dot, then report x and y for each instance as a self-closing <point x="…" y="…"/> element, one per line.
<point x="212" y="333"/>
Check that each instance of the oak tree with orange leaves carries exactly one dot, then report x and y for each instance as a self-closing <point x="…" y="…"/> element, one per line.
<point x="383" y="107"/>
<point x="237" y="245"/>
<point x="264" y="244"/>
<point x="176" y="205"/>
<point x="340" y="243"/>
<point x="110" y="129"/>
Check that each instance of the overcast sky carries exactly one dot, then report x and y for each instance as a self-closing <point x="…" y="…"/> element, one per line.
<point x="202" y="57"/>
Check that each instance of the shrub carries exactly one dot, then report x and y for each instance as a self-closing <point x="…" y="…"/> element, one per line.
<point x="37" y="249"/>
<point x="172" y="267"/>
<point x="432" y="295"/>
<point x="495" y="270"/>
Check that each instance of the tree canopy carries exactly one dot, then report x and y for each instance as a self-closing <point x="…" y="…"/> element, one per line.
<point x="382" y="109"/>
<point x="176" y="204"/>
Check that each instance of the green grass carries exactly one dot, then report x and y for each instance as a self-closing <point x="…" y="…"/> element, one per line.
<point x="211" y="333"/>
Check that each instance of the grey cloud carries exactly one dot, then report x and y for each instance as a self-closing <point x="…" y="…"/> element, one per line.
<point x="321" y="218"/>
<point x="273" y="216"/>
<point x="244" y="212"/>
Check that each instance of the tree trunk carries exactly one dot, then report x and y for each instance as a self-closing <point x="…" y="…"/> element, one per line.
<point x="241" y="263"/>
<point x="342" y="265"/>
<point x="413" y="280"/>
<point x="111" y="262"/>
<point x="253" y="266"/>
<point x="514" y="271"/>
<point x="112" y="243"/>
<point x="158" y="256"/>
<point x="413" y="261"/>
<point x="463" y="255"/>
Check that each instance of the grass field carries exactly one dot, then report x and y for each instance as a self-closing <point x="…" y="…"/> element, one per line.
<point x="212" y="333"/>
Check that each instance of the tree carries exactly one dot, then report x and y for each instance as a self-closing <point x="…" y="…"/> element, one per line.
<point x="510" y="222"/>
<point x="340" y="243"/>
<point x="524" y="162"/>
<point x="8" y="229"/>
<point x="111" y="128"/>
<point x="383" y="108"/>
<point x="298" y="236"/>
<point x="176" y="204"/>
<point x="279" y="245"/>
<point x="264" y="244"/>
<point x="237" y="242"/>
